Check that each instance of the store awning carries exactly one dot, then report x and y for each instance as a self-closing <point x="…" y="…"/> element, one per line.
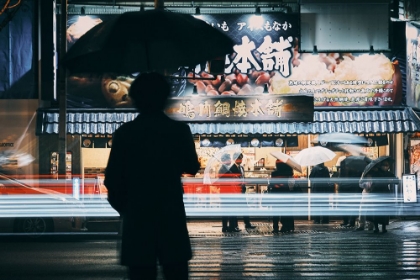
<point x="349" y="121"/>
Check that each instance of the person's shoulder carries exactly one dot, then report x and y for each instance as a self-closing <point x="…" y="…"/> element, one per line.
<point x="171" y="123"/>
<point x="233" y="167"/>
<point x="388" y="174"/>
<point x="315" y="169"/>
<point x="125" y="127"/>
<point x="275" y="173"/>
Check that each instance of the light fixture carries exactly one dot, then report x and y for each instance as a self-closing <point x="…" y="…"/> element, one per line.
<point x="265" y="88"/>
<point x="197" y="11"/>
<point x="315" y="51"/>
<point x="371" y="50"/>
<point x="279" y="142"/>
<point x="256" y="21"/>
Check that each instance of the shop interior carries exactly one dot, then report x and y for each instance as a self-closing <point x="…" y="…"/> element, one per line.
<point x="256" y="149"/>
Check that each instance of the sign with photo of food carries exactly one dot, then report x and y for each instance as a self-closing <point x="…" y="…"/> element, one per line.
<point x="265" y="62"/>
<point x="413" y="64"/>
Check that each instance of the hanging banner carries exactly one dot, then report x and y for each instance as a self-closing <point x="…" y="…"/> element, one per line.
<point x="265" y="61"/>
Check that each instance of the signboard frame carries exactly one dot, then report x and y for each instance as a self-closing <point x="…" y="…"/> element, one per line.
<point x="409" y="188"/>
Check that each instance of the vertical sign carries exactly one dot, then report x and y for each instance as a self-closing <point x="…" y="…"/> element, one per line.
<point x="409" y="188"/>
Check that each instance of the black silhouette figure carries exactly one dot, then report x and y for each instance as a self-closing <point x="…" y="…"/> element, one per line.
<point x="321" y="184"/>
<point x="229" y="223"/>
<point x="237" y="171"/>
<point x="143" y="178"/>
<point x="283" y="171"/>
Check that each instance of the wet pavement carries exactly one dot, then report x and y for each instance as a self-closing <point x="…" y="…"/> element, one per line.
<point x="313" y="251"/>
<point x="325" y="251"/>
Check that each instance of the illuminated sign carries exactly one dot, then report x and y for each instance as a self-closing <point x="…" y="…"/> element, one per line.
<point x="265" y="60"/>
<point x="247" y="108"/>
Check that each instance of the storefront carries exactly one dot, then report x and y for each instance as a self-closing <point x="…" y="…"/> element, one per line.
<point x="273" y="95"/>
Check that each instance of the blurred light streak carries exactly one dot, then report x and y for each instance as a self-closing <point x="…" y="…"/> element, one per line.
<point x="19" y="198"/>
<point x="208" y="205"/>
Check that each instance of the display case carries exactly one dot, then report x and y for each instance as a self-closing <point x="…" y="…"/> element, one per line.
<point x="257" y="187"/>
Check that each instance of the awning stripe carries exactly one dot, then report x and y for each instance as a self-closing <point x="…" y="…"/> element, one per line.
<point x="372" y="121"/>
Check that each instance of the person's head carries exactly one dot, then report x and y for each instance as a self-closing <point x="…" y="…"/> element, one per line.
<point x="284" y="168"/>
<point x="149" y="91"/>
<point x="238" y="158"/>
<point x="226" y="159"/>
<point x="385" y="165"/>
<point x="279" y="163"/>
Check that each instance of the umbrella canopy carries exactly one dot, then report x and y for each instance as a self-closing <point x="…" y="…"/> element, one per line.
<point x="373" y="164"/>
<point x="339" y="137"/>
<point x="152" y="40"/>
<point x="353" y="166"/>
<point x="314" y="155"/>
<point x="287" y="159"/>
<point x="354" y="150"/>
<point x="220" y="163"/>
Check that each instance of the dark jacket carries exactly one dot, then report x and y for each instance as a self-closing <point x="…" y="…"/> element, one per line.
<point x="228" y="185"/>
<point x="320" y="179"/>
<point x="351" y="169"/>
<point x="283" y="171"/>
<point x="235" y="172"/>
<point x="382" y="187"/>
<point x="143" y="178"/>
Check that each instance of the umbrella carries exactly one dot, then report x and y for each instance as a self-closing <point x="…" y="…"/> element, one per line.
<point x="353" y="166"/>
<point x="314" y="155"/>
<point x="214" y="165"/>
<point x="152" y="40"/>
<point x="355" y="150"/>
<point x="287" y="159"/>
<point x="374" y="163"/>
<point x="340" y="137"/>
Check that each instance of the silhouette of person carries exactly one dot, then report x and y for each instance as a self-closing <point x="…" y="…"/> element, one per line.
<point x="143" y="178"/>
<point x="351" y="169"/>
<point x="381" y="187"/>
<point x="321" y="185"/>
<point x="282" y="171"/>
<point x="229" y="223"/>
<point x="237" y="171"/>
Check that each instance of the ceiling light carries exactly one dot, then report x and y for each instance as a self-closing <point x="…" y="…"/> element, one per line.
<point x="315" y="51"/>
<point x="371" y="50"/>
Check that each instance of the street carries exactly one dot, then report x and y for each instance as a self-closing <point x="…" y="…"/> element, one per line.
<point x="312" y="252"/>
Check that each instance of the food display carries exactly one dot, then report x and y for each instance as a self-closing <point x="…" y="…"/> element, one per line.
<point x="343" y="80"/>
<point x="233" y="84"/>
<point x="334" y="79"/>
<point x="115" y="90"/>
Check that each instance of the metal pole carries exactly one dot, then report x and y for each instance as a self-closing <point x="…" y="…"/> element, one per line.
<point x="62" y="98"/>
